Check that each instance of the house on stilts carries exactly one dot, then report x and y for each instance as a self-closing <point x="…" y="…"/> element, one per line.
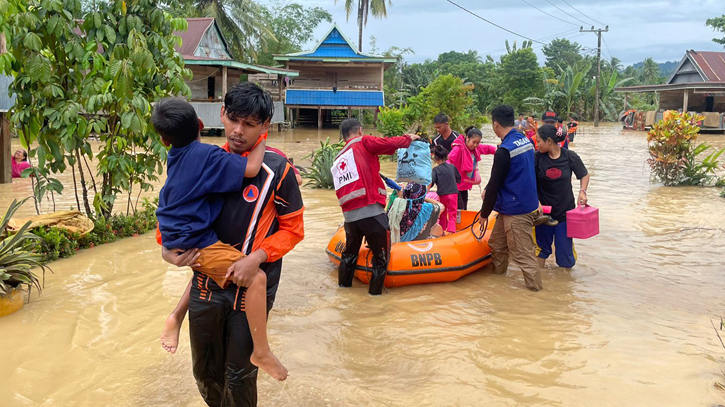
<point x="215" y="70"/>
<point x="697" y="85"/>
<point x="334" y="78"/>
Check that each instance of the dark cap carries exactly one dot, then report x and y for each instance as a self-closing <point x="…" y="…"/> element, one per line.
<point x="550" y="116"/>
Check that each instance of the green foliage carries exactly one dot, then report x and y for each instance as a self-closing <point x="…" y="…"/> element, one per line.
<point x="650" y="74"/>
<point x="447" y="94"/>
<point x="456" y="58"/>
<point x="59" y="243"/>
<point x="718" y="25"/>
<point x="564" y="84"/>
<point x="102" y="82"/>
<point x="521" y="77"/>
<point x="673" y="152"/>
<point x="700" y="172"/>
<point x="18" y="256"/>
<point x="365" y="7"/>
<point x="561" y="53"/>
<point x="391" y="122"/>
<point x="242" y="22"/>
<point x="320" y="174"/>
<point x="417" y="76"/>
<point x="292" y="26"/>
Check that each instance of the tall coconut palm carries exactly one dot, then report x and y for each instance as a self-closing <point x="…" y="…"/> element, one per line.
<point x="377" y="7"/>
<point x="241" y="21"/>
<point x="651" y="74"/>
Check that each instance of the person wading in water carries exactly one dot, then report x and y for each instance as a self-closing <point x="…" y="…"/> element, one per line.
<point x="361" y="194"/>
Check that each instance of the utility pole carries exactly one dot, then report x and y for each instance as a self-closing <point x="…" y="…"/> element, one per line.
<point x="599" y="72"/>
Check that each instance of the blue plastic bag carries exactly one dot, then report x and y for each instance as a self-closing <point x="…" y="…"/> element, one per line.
<point x="414" y="163"/>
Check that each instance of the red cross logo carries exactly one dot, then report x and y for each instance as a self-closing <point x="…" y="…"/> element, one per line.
<point x="342" y="165"/>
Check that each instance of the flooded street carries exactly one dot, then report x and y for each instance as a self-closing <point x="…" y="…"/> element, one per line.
<point x="629" y="325"/>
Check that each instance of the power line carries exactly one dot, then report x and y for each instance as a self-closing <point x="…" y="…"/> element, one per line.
<point x="607" y="46"/>
<point x="557" y="7"/>
<point x="599" y="70"/>
<point x="492" y="23"/>
<point x="582" y="13"/>
<point x="550" y="15"/>
<point x="541" y="39"/>
<point x="535" y="46"/>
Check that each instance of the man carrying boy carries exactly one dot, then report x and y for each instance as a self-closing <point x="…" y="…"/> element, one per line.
<point x="361" y="194"/>
<point x="264" y="221"/>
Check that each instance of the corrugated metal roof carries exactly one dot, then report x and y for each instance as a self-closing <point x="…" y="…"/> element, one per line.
<point x="710" y="63"/>
<point x="190" y="39"/>
<point x="334" y="46"/>
<point x="330" y="98"/>
<point x="701" y="86"/>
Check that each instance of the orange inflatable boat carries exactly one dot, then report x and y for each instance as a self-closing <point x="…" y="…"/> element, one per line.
<point x="445" y="259"/>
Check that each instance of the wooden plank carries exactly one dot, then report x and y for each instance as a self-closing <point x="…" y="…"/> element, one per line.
<point x="319" y="117"/>
<point x="685" y="100"/>
<point x="225" y="77"/>
<point x="382" y="76"/>
<point x="6" y="174"/>
<point x="344" y="78"/>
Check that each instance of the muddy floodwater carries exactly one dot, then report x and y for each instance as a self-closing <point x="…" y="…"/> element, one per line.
<point x="628" y="326"/>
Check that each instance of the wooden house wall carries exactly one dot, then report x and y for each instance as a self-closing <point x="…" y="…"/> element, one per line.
<point x="199" y="82"/>
<point x="268" y="82"/>
<point x="672" y="100"/>
<point x="325" y="77"/>
<point x="687" y="74"/>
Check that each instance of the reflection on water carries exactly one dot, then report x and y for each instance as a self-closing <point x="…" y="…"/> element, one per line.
<point x="628" y="326"/>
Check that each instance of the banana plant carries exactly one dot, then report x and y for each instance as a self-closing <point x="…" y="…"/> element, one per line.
<point x="572" y="80"/>
<point x="609" y="101"/>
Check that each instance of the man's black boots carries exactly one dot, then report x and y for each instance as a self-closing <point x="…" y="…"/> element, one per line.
<point x="346" y="271"/>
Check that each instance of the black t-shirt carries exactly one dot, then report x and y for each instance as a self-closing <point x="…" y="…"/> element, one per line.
<point x="553" y="181"/>
<point x="445" y="143"/>
<point x="446" y="177"/>
<point x="250" y="215"/>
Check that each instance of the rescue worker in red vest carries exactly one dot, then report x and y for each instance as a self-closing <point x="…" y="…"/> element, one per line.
<point x="361" y="194"/>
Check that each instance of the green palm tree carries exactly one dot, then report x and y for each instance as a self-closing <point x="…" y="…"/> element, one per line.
<point x="651" y="74"/>
<point x="364" y="7"/>
<point x="241" y="21"/>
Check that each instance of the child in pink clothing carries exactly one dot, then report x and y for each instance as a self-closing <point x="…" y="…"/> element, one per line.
<point x="445" y="176"/>
<point x="465" y="155"/>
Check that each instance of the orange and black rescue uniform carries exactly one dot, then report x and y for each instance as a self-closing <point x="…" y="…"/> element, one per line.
<point x="266" y="214"/>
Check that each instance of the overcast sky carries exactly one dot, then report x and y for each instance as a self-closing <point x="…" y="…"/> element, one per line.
<point x="638" y="29"/>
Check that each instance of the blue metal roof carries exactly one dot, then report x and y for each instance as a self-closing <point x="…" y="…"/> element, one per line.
<point x="334" y="51"/>
<point x="334" y="46"/>
<point x="330" y="98"/>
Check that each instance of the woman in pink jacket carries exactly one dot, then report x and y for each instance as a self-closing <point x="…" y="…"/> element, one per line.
<point x="465" y="155"/>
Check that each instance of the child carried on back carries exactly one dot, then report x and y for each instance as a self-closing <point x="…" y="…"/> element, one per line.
<point x="189" y="203"/>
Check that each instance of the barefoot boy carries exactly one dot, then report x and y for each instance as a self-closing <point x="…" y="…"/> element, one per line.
<point x="189" y="203"/>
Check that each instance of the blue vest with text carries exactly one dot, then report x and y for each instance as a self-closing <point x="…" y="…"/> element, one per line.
<point x="517" y="195"/>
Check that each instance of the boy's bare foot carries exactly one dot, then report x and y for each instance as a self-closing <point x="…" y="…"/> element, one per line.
<point x="269" y="363"/>
<point x="170" y="334"/>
